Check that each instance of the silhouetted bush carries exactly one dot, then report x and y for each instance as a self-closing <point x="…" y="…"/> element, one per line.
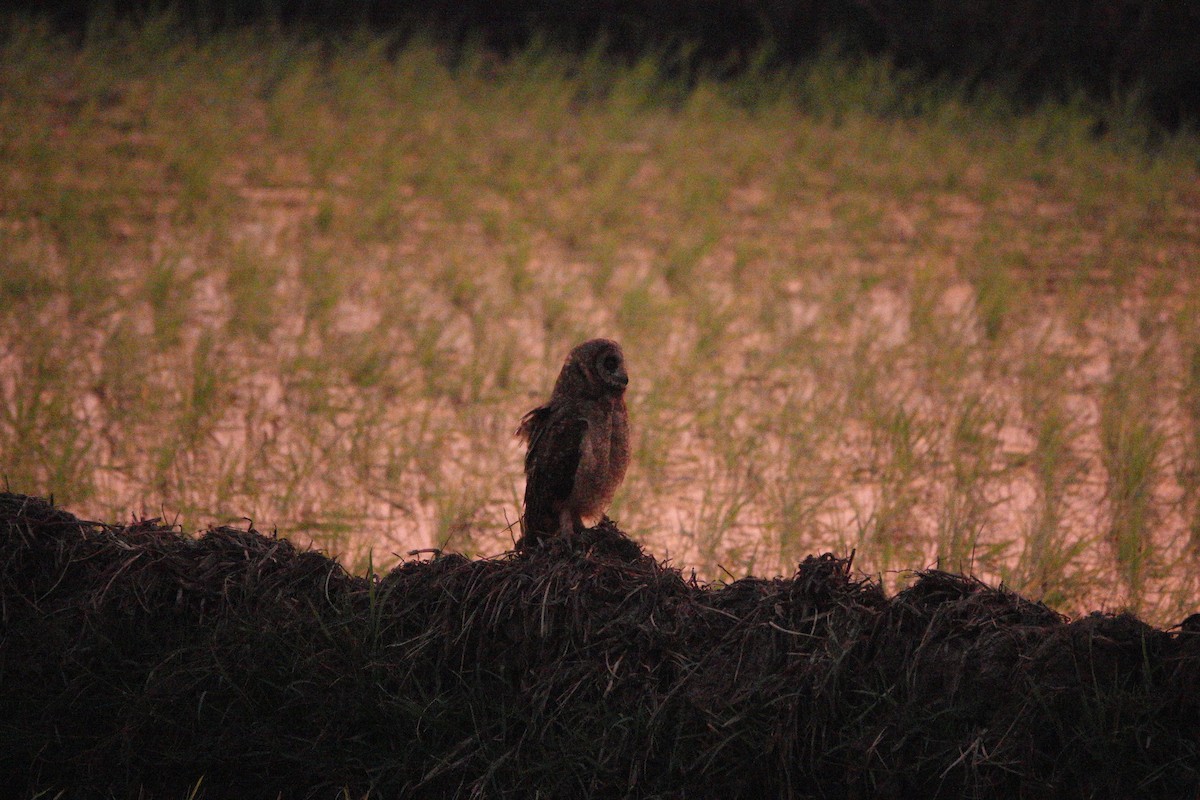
<point x="1147" y="51"/>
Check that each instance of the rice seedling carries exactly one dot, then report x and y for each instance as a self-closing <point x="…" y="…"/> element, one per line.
<point x="1131" y="445"/>
<point x="250" y="273"/>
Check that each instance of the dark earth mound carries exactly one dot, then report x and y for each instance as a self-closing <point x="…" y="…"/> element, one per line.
<point x="138" y="662"/>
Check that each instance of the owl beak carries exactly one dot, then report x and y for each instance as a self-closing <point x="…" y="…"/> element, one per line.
<point x="622" y="378"/>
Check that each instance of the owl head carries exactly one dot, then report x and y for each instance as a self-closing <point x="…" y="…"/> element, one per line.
<point x="595" y="369"/>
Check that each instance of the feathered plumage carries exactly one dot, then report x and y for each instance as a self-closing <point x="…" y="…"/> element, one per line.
<point x="578" y="443"/>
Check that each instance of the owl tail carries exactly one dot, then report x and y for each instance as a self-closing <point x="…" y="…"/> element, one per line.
<point x="537" y="524"/>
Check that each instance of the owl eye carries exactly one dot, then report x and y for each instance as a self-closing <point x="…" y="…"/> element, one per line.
<point x="610" y="363"/>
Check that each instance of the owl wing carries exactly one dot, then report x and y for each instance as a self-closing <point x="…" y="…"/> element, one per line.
<point x="555" y="442"/>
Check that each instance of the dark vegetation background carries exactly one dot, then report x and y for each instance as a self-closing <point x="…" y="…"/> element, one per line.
<point x="1144" y="51"/>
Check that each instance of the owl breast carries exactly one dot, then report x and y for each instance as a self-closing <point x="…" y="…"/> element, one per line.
<point x="603" y="459"/>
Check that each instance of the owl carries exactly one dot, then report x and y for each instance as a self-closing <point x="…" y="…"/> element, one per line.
<point x="578" y="443"/>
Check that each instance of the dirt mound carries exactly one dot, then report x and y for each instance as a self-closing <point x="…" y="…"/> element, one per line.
<point x="139" y="662"/>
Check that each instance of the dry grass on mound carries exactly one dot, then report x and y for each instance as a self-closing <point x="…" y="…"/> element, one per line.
<point x="137" y="660"/>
